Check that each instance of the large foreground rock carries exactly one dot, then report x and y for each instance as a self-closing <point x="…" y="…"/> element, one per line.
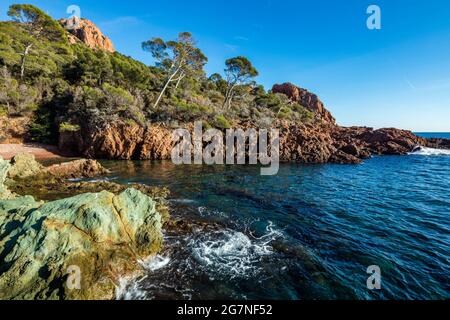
<point x="102" y="235"/>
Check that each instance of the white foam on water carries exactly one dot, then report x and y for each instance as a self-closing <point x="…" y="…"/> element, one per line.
<point x="155" y="262"/>
<point x="233" y="254"/>
<point x="423" y="151"/>
<point x="205" y="212"/>
<point x="129" y="289"/>
<point x="103" y="179"/>
<point x="181" y="201"/>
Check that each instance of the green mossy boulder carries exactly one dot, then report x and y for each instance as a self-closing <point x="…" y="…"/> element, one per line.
<point x="102" y="235"/>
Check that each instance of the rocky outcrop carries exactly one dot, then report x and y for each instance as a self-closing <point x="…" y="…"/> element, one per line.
<point x="387" y="141"/>
<point x="438" y="143"/>
<point x="101" y="237"/>
<point x="307" y="99"/>
<point x="318" y="142"/>
<point x="120" y="141"/>
<point x="76" y="169"/>
<point x="24" y="165"/>
<point x="157" y="144"/>
<point x="312" y="144"/>
<point x="73" y="248"/>
<point x="88" y="33"/>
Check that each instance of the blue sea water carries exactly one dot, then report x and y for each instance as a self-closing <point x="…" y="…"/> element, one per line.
<point x="310" y="232"/>
<point x="445" y="135"/>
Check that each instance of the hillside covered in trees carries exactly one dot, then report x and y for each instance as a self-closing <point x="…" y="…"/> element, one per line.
<point x="60" y="83"/>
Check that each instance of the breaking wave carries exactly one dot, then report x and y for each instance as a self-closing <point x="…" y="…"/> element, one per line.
<point x="155" y="263"/>
<point x="423" y="151"/>
<point x="231" y="253"/>
<point x="214" y="254"/>
<point x="130" y="288"/>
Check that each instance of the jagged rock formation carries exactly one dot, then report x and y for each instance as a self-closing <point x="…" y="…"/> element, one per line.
<point x="318" y="142"/>
<point x="312" y="143"/>
<point x="120" y="141"/>
<point x="102" y="235"/>
<point x="88" y="33"/>
<point x="307" y="99"/>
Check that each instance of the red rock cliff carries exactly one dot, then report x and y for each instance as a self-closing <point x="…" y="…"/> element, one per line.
<point x="88" y="33"/>
<point x="307" y="99"/>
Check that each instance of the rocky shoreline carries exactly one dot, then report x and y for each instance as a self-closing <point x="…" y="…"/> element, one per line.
<point x="100" y="230"/>
<point x="319" y="142"/>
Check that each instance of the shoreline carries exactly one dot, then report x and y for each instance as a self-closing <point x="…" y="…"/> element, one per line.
<point x="39" y="151"/>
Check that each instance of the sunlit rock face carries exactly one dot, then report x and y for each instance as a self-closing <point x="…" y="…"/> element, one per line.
<point x="102" y="235"/>
<point x="87" y="32"/>
<point x="307" y="99"/>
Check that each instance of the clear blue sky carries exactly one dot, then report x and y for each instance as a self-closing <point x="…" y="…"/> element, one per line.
<point x="398" y="76"/>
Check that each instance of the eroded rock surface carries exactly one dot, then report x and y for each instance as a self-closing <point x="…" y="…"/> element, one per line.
<point x="102" y="235"/>
<point x="76" y="169"/>
<point x="307" y="99"/>
<point x="87" y="32"/>
<point x="316" y="142"/>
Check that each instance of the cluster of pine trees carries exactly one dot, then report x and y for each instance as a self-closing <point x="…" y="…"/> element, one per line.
<point x="60" y="84"/>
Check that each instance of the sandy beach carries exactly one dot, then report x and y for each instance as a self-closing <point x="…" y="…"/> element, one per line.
<point x="7" y="151"/>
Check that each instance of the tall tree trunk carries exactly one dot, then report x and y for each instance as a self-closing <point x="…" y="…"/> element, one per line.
<point x="228" y="97"/>
<point x="165" y="88"/>
<point x="22" y="63"/>
<point x="181" y="77"/>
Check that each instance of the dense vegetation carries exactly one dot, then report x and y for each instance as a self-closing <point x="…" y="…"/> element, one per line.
<point x="62" y="85"/>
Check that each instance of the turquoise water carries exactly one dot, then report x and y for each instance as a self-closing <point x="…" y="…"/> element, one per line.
<point x="308" y="233"/>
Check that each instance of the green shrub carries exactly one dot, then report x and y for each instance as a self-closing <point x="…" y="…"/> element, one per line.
<point x="221" y="122"/>
<point x="68" y="127"/>
<point x="206" y="125"/>
<point x="284" y="113"/>
<point x="41" y="133"/>
<point x="3" y="111"/>
<point x="192" y="109"/>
